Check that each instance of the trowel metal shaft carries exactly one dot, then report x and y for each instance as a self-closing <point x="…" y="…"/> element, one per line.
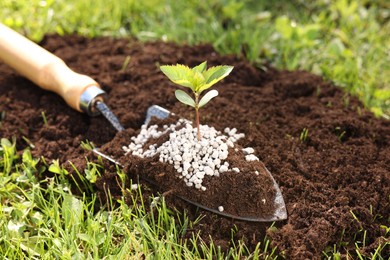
<point x="107" y="113"/>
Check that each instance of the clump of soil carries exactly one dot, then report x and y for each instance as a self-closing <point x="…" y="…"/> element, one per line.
<point x="341" y="167"/>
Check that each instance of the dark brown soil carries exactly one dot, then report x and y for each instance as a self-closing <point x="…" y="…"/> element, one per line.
<point x="342" y="167"/>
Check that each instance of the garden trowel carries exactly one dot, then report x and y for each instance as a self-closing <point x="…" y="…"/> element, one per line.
<point x="85" y="95"/>
<point x="51" y="73"/>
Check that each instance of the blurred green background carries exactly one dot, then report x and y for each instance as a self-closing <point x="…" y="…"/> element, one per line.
<point x="346" y="41"/>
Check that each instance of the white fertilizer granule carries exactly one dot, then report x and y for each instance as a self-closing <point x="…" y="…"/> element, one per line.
<point x="191" y="158"/>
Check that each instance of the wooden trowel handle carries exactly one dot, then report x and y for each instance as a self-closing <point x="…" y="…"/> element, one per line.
<point x="45" y="69"/>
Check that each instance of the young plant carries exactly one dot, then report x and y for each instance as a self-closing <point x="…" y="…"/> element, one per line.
<point x="198" y="79"/>
<point x="304" y="134"/>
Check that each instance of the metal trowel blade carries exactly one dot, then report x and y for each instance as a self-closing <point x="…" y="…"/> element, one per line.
<point x="280" y="212"/>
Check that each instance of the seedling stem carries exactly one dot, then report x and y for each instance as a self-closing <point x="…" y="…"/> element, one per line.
<point x="197" y="115"/>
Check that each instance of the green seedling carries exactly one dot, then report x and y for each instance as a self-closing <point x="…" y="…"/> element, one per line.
<point x="126" y="63"/>
<point x="44" y="118"/>
<point x="304" y="134"/>
<point x="87" y="145"/>
<point x="340" y="133"/>
<point x="198" y="79"/>
<point x="28" y="142"/>
<point x="7" y="154"/>
<point x="56" y="168"/>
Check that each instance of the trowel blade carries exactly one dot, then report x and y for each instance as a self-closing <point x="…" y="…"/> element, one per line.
<point x="280" y="212"/>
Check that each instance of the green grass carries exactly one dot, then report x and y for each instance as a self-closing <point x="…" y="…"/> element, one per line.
<point x="345" y="41"/>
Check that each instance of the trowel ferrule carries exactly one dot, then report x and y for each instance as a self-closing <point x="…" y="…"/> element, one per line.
<point x="88" y="99"/>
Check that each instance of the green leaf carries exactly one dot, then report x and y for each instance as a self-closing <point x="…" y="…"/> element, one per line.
<point x="207" y="97"/>
<point x="72" y="210"/>
<point x="5" y="143"/>
<point x="201" y="67"/>
<point x="197" y="81"/>
<point x="215" y="74"/>
<point x="15" y="228"/>
<point x="311" y="31"/>
<point x="382" y="94"/>
<point x="26" y="157"/>
<point x="283" y="26"/>
<point x="55" y="167"/>
<point x="91" y="175"/>
<point x="335" y="47"/>
<point x="179" y="74"/>
<point x="184" y="82"/>
<point x="7" y="154"/>
<point x="85" y="237"/>
<point x="184" y="98"/>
